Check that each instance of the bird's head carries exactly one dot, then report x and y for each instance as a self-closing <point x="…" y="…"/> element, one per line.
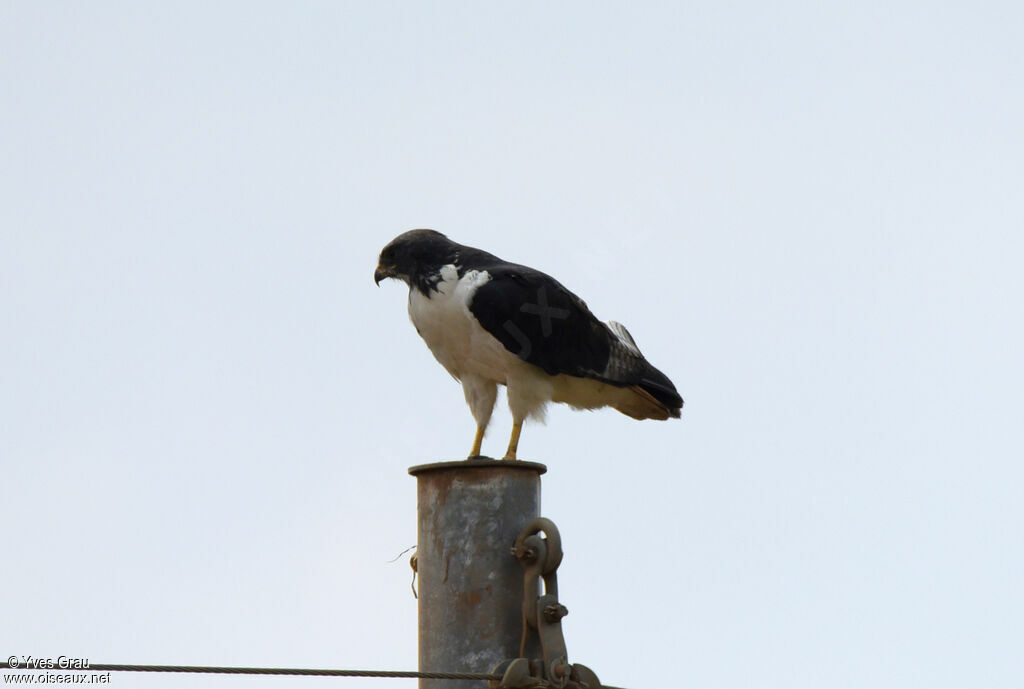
<point x="411" y="254"/>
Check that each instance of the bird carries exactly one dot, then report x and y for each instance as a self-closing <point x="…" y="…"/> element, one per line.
<point x="489" y="322"/>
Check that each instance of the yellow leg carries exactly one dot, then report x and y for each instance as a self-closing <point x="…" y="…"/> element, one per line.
<point x="477" y="441"/>
<point x="513" y="442"/>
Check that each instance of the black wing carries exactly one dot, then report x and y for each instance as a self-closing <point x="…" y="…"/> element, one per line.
<point x="542" y="322"/>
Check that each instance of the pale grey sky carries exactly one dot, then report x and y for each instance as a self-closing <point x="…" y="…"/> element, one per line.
<point x="809" y="215"/>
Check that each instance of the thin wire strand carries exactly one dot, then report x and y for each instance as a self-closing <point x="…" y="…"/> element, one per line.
<point x="395" y="558"/>
<point x="199" y="669"/>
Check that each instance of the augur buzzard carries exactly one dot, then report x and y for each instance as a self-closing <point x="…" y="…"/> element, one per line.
<point x="490" y="323"/>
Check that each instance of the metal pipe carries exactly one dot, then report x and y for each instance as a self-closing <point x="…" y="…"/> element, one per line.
<point x="470" y="584"/>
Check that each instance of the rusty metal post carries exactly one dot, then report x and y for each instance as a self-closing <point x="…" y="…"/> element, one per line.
<point x="470" y="585"/>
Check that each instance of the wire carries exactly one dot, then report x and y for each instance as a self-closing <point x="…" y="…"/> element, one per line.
<point x="198" y="669"/>
<point x="202" y="669"/>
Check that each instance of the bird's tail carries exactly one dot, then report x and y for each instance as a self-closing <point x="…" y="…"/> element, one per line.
<point x="658" y="389"/>
<point x="654" y="396"/>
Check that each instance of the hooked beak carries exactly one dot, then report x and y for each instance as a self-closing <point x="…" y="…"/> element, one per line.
<point x="382" y="273"/>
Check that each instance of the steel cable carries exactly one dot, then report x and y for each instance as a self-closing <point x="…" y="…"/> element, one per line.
<point x="200" y="669"/>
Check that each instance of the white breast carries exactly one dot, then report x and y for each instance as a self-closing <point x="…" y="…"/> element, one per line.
<point x="453" y="335"/>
